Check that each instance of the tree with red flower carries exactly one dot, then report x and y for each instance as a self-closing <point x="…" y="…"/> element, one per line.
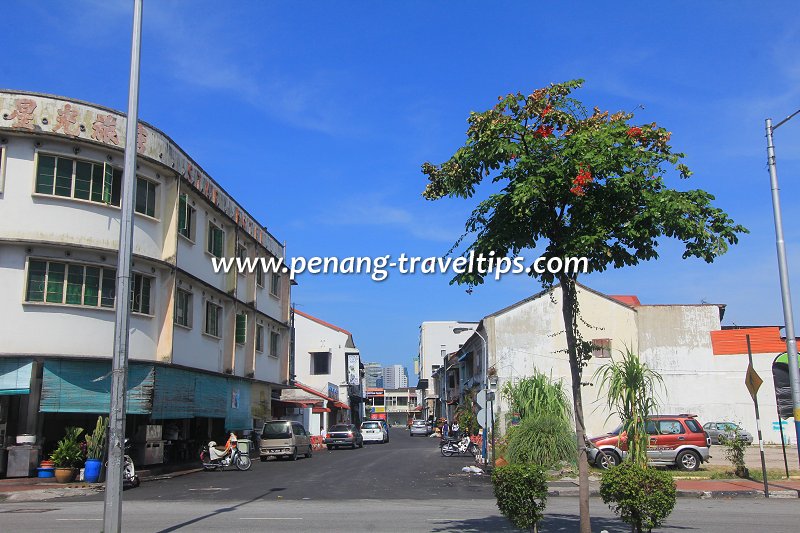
<point x="544" y="203"/>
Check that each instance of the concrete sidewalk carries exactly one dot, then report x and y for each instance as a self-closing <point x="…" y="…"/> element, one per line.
<point x="699" y="488"/>
<point x="39" y="489"/>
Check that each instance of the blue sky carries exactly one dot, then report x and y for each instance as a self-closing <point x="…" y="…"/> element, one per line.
<point x="317" y="117"/>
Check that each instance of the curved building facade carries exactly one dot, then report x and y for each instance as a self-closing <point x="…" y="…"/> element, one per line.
<point x="206" y="349"/>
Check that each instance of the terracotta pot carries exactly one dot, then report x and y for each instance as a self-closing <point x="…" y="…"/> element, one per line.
<point x="501" y="461"/>
<point x="65" y="475"/>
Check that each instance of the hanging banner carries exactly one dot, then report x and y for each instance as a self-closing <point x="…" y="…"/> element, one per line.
<point x="353" y="375"/>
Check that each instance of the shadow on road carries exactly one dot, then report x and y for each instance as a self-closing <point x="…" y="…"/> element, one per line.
<point x="551" y="523"/>
<point x="219" y="511"/>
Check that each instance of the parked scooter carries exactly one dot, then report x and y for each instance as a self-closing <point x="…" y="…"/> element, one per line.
<point x="461" y="447"/>
<point x="217" y="458"/>
<point x="128" y="470"/>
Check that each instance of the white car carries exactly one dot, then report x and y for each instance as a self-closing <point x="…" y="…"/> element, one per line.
<point x="374" y="431"/>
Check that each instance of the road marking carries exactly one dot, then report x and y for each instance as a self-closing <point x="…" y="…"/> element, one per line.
<point x="270" y="518"/>
<point x="78" y="519"/>
<point x="214" y="488"/>
<point x="444" y="519"/>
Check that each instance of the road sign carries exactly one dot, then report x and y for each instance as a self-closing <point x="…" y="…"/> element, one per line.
<point x="752" y="380"/>
<point x="483" y="418"/>
<point x="480" y="399"/>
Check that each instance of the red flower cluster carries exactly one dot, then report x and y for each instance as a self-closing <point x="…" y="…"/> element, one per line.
<point x="543" y="131"/>
<point x="584" y="176"/>
<point x="634" y="132"/>
<point x="546" y="111"/>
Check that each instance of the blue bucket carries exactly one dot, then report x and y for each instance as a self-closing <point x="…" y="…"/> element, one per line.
<point x="91" y="472"/>
<point x="46" y="472"/>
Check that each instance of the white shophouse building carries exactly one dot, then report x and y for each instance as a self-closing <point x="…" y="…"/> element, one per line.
<point x="329" y="382"/>
<point x="702" y="363"/>
<point x="207" y="349"/>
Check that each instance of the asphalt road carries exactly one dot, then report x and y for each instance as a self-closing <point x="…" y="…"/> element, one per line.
<point x="405" y="467"/>
<point x="404" y="486"/>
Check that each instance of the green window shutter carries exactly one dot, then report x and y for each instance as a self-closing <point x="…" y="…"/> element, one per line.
<point x="64" y="177"/>
<point x="83" y="180"/>
<point x="74" y="284"/>
<point x="218" y="242"/>
<point x="183" y="229"/>
<point x="45" y="174"/>
<point x="37" y="271"/>
<point x="108" y="178"/>
<point x="150" y="210"/>
<point x="108" y="287"/>
<point x="97" y="183"/>
<point x="146" y="295"/>
<point x="116" y="187"/>
<point x="241" y="328"/>
<point x="141" y="196"/>
<point x="55" y="282"/>
<point x="92" y="286"/>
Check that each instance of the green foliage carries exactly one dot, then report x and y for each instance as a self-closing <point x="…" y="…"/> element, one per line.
<point x="96" y="442"/>
<point x="521" y="492"/>
<point x="543" y="440"/>
<point x="734" y="452"/>
<point x="589" y="185"/>
<point x="631" y="394"/>
<point x="68" y="452"/>
<point x="536" y="395"/>
<point x="642" y="497"/>
<point x="465" y="414"/>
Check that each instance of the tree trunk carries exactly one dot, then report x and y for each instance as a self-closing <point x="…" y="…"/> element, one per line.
<point x="569" y="298"/>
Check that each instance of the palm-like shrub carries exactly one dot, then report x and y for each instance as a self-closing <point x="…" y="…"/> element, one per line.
<point x="537" y="394"/>
<point x="543" y="440"/>
<point x="68" y="452"/>
<point x="96" y="442"/>
<point x="630" y="387"/>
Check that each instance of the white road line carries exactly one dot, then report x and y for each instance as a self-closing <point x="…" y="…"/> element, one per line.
<point x="270" y="518"/>
<point x="79" y="519"/>
<point x="444" y="519"/>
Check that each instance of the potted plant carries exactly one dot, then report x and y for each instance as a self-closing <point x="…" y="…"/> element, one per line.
<point x="67" y="456"/>
<point x="95" y="448"/>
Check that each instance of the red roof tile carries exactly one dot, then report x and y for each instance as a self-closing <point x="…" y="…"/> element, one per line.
<point x="627" y="299"/>
<point x="321" y="322"/>
<point x="734" y="341"/>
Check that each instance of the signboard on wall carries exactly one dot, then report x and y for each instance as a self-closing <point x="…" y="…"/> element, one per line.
<point x="353" y="374"/>
<point x="333" y="391"/>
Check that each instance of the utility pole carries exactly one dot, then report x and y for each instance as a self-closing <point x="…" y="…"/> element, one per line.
<point x="112" y="508"/>
<point x="783" y="271"/>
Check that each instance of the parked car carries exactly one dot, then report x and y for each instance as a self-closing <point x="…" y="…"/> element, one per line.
<point x="420" y="427"/>
<point x="675" y="440"/>
<point x="344" y="435"/>
<point x="719" y="432"/>
<point x="284" y="439"/>
<point x="375" y="431"/>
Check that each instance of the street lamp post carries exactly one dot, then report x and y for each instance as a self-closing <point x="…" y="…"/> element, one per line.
<point x="783" y="271"/>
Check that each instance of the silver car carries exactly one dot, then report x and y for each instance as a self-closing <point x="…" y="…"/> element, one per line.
<point x="718" y="432"/>
<point x="419" y="427"/>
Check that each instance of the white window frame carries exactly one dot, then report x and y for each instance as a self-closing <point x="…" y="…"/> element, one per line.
<point x="73" y="178"/>
<point x="188" y="312"/>
<point x="150" y="279"/>
<point x="218" y="334"/>
<point x="191" y="221"/>
<point x="155" y="185"/>
<point x="63" y="303"/>
<point x="275" y="284"/>
<point x="277" y="345"/>
<point x="259" y="340"/>
<point x="601" y="348"/>
<point x="208" y="239"/>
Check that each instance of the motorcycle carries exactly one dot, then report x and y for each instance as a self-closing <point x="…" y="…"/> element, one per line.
<point x="128" y="470"/>
<point x="214" y="458"/>
<point x="460" y="447"/>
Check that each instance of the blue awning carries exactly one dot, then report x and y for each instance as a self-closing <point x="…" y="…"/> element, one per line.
<point x="15" y="375"/>
<point x="72" y="386"/>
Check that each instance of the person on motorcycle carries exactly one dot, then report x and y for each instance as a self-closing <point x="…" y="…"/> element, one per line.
<point x="232" y="443"/>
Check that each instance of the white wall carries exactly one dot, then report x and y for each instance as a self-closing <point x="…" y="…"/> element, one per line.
<point x="435" y="336"/>
<point x="310" y="336"/>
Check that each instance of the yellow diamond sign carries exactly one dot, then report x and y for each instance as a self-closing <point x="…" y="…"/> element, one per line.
<point x="752" y="380"/>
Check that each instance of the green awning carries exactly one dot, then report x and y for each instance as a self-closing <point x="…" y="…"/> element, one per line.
<point x="15" y="375"/>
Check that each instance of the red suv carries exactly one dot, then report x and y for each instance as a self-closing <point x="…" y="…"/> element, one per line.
<point x="675" y="440"/>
